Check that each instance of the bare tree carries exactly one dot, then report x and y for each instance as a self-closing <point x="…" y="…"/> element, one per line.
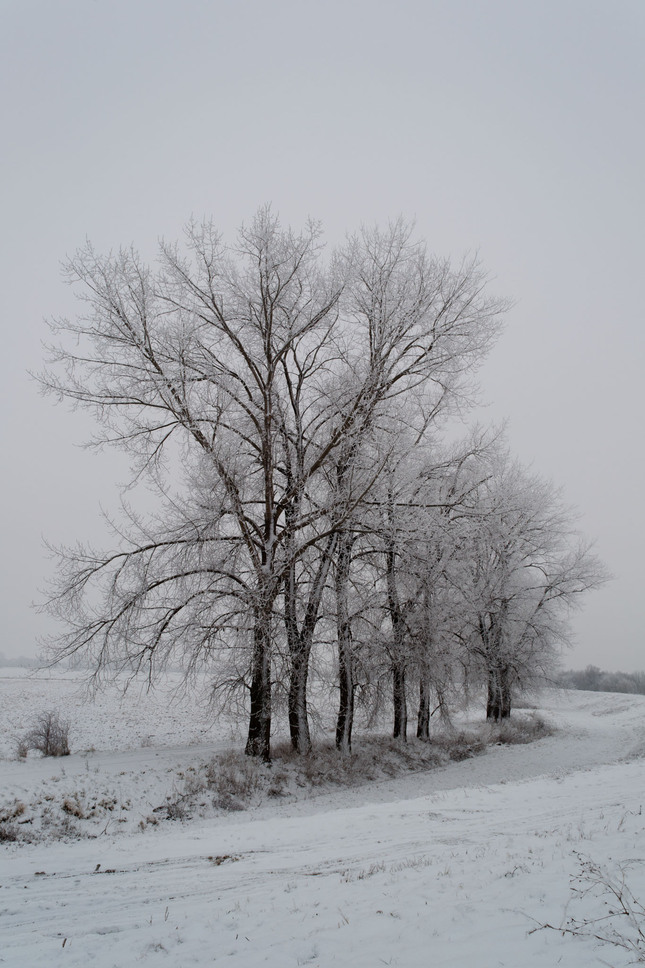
<point x="426" y="492"/>
<point x="421" y="327"/>
<point x="222" y="353"/>
<point x="265" y="374"/>
<point x="525" y="567"/>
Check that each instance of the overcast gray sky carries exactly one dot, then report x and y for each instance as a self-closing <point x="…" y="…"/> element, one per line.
<point x="510" y="127"/>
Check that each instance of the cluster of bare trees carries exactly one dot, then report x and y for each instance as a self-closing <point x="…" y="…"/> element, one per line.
<point x="287" y="408"/>
<point x="594" y="679"/>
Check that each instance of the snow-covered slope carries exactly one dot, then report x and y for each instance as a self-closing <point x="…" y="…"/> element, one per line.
<point x="454" y="867"/>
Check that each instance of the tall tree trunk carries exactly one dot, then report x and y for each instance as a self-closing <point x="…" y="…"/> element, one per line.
<point x="493" y="699"/>
<point x="298" y="714"/>
<point x="399" y="698"/>
<point x="498" y="704"/>
<point x="345" y="719"/>
<point x="300" y="642"/>
<point x="506" y="694"/>
<point x="299" y="669"/>
<point x="423" y="716"/>
<point x="258" y="741"/>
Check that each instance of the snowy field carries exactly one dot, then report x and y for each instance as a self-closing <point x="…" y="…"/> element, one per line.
<point x="454" y="867"/>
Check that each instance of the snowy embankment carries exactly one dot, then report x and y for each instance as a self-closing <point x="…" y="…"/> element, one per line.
<point x="453" y="867"/>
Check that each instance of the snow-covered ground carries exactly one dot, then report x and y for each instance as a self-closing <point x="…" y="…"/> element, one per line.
<point x="453" y="867"/>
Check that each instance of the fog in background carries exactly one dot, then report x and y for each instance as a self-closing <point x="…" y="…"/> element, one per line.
<point x="511" y="129"/>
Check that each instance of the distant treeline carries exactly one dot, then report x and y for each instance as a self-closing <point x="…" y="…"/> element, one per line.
<point x="16" y="661"/>
<point x="596" y="680"/>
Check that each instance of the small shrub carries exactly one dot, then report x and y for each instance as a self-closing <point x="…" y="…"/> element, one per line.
<point x="462" y="745"/>
<point x="8" y="833"/>
<point x="378" y="758"/>
<point x="49" y="736"/>
<point x="525" y="730"/>
<point x="16" y="809"/>
<point x="234" y="779"/>
<point x="74" y="807"/>
<point x="612" y="913"/>
<point x="22" y="749"/>
<point x="176" y="810"/>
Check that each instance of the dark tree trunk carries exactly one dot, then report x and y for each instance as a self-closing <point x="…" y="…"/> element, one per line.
<point x="299" y="670"/>
<point x="506" y="695"/>
<point x="399" y="700"/>
<point x="498" y="705"/>
<point x="300" y="643"/>
<point x="298" y="716"/>
<point x="493" y="703"/>
<point x="258" y="741"/>
<point x="345" y="719"/>
<point x="423" y="716"/>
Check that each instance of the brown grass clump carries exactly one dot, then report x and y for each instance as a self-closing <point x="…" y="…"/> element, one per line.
<point x="528" y="729"/>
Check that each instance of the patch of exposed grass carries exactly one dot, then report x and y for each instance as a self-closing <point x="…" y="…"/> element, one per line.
<point x="527" y="729"/>
<point x="10" y="831"/>
<point x="464" y="744"/>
